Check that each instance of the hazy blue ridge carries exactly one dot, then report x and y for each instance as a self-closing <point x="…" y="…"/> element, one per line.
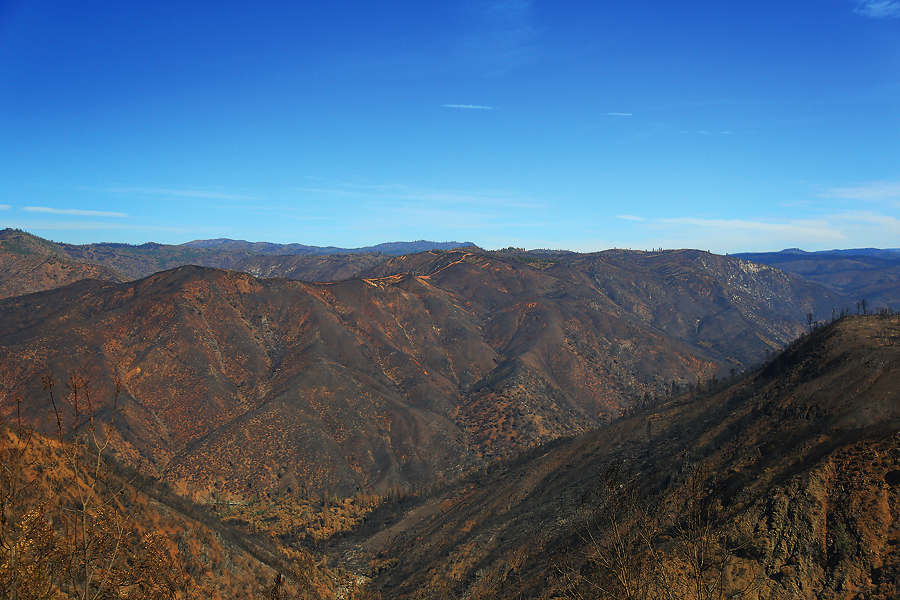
<point x="289" y="249"/>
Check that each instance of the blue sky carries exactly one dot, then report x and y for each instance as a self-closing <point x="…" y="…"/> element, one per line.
<point x="726" y="126"/>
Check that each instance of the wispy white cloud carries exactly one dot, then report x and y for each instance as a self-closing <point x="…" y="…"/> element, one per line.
<point x="851" y="229"/>
<point x="874" y="191"/>
<point x="182" y="193"/>
<point x="706" y="132"/>
<point x="400" y="211"/>
<point x="629" y="217"/>
<point x="73" y="211"/>
<point x="468" y="106"/>
<point x="870" y="219"/>
<point x="5" y="207"/>
<point x="879" y="9"/>
<point x="619" y="114"/>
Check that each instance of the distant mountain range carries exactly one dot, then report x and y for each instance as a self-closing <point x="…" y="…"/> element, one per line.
<point x="268" y="249"/>
<point x="867" y="252"/>
<point x="30" y="263"/>
<point x="41" y="264"/>
<point x="863" y="273"/>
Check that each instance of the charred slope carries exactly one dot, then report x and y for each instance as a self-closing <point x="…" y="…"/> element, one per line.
<point x="804" y="456"/>
<point x="29" y="264"/>
<point x="106" y="261"/>
<point x="428" y="366"/>
<point x="29" y="274"/>
<point x="233" y="383"/>
<point x="735" y="308"/>
<point x="254" y="385"/>
<point x="309" y="268"/>
<point x="61" y="505"/>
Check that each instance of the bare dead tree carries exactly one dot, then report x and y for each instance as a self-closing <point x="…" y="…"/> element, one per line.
<point x="616" y="543"/>
<point x="702" y="559"/>
<point x="630" y="544"/>
<point x="27" y="540"/>
<point x="99" y="553"/>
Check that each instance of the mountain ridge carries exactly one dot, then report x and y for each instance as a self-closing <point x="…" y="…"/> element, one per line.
<point x="861" y="274"/>
<point x="23" y="253"/>
<point x="424" y="367"/>
<point x="485" y="392"/>
<point x="270" y="248"/>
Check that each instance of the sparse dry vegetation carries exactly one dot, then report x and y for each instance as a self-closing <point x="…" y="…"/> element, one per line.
<point x="72" y="527"/>
<point x="65" y="527"/>
<point x="633" y="543"/>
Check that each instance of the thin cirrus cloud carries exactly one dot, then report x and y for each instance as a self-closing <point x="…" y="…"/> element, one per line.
<point x="73" y="211"/>
<point x="873" y="191"/>
<point x="475" y="106"/>
<point x="183" y="193"/>
<point x="730" y="235"/>
<point x="99" y="226"/>
<point x="879" y="9"/>
<point x="629" y="217"/>
<point x="5" y="207"/>
<point x="620" y="114"/>
<point x="869" y="219"/>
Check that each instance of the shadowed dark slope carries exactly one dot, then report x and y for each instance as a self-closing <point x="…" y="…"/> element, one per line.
<point x="735" y="308"/>
<point x="308" y="268"/>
